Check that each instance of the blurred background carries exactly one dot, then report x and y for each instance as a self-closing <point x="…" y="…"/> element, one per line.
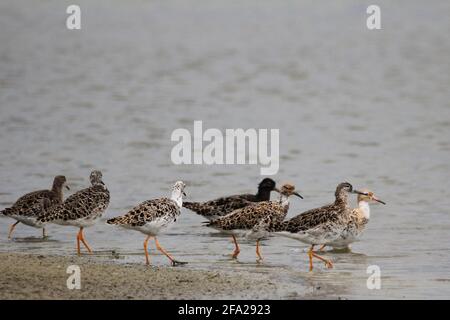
<point x="368" y="107"/>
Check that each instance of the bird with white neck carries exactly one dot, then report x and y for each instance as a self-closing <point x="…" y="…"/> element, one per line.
<point x="152" y="217"/>
<point x="357" y="220"/>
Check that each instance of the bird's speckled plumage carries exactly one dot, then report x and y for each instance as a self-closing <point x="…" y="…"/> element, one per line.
<point x="317" y="226"/>
<point x="325" y="225"/>
<point x="29" y="207"/>
<point x="26" y="205"/>
<point x="83" y="208"/>
<point x="222" y="206"/>
<point x="150" y="216"/>
<point x="153" y="216"/>
<point x="248" y="217"/>
<point x="254" y="220"/>
<point x="334" y="224"/>
<point x="356" y="221"/>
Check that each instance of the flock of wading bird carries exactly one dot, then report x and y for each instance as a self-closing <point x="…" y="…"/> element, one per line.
<point x="251" y="215"/>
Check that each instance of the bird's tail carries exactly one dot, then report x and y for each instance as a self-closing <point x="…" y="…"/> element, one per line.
<point x="116" y="220"/>
<point x="7" y="212"/>
<point x="201" y="209"/>
<point x="193" y="206"/>
<point x="278" y="226"/>
<point x="210" y="223"/>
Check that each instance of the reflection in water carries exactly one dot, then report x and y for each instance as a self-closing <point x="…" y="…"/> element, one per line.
<point x="33" y="240"/>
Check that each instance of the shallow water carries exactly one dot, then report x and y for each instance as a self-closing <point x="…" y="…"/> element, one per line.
<point x="369" y="107"/>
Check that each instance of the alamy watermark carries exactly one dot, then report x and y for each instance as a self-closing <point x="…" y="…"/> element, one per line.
<point x="373" y="21"/>
<point x="374" y="280"/>
<point x="73" y="21"/>
<point x="74" y="280"/>
<point x="236" y="146"/>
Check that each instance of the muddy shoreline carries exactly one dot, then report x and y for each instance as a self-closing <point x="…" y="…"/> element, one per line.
<point x="28" y="276"/>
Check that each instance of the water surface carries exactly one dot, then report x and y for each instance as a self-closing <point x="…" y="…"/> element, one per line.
<point x="368" y="107"/>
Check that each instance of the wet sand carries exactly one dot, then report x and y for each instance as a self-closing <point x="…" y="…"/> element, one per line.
<point x="27" y="276"/>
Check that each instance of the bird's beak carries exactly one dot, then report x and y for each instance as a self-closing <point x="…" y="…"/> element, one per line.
<point x="297" y="194"/>
<point x="184" y="193"/>
<point x="359" y="192"/>
<point x="67" y="187"/>
<point x="378" y="200"/>
<point x="276" y="189"/>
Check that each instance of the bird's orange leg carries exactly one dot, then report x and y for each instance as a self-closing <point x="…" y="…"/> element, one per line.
<point x="158" y="246"/>
<point x="312" y="254"/>
<point x="84" y="241"/>
<point x="258" y="253"/>
<point x="78" y="243"/>
<point x="328" y="263"/>
<point x="147" y="260"/>
<point x="11" y="229"/>
<point x="322" y="247"/>
<point x="236" y="248"/>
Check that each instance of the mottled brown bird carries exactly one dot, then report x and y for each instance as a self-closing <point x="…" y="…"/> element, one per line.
<point x="82" y="209"/>
<point x="254" y="220"/>
<point x="28" y="207"/>
<point x="326" y="225"/>
<point x="220" y="207"/>
<point x="356" y="221"/>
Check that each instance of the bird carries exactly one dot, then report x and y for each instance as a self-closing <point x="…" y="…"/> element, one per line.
<point x="220" y="207"/>
<point x="152" y="217"/>
<point x="28" y="207"/>
<point x="252" y="221"/>
<point x="357" y="221"/>
<point x="321" y="226"/>
<point x="82" y="209"/>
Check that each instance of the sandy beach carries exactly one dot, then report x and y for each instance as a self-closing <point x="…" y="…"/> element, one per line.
<point x="27" y="276"/>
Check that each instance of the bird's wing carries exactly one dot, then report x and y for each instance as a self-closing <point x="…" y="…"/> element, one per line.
<point x="146" y="212"/>
<point x="312" y="219"/>
<point x="30" y="204"/>
<point x="81" y="204"/>
<point x="218" y="207"/>
<point x="247" y="217"/>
